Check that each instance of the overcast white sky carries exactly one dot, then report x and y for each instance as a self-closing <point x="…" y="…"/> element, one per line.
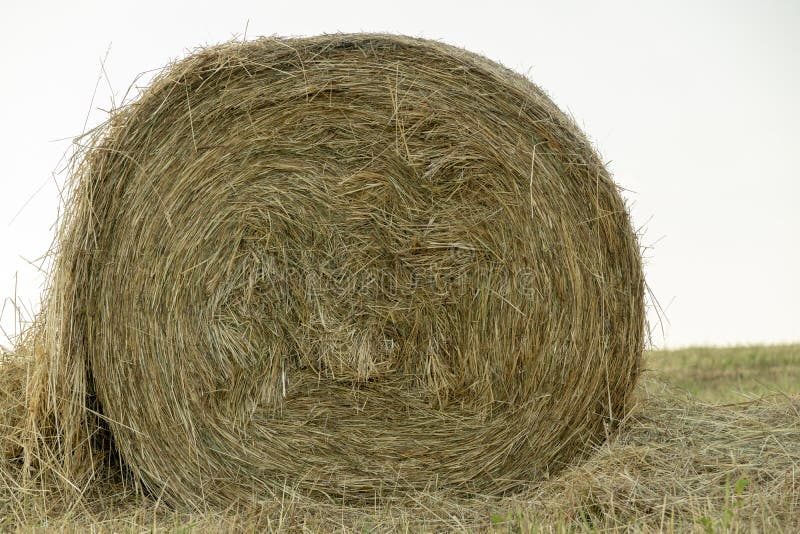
<point x="695" y="104"/>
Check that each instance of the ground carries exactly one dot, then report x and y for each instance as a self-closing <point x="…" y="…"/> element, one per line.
<point x="712" y="445"/>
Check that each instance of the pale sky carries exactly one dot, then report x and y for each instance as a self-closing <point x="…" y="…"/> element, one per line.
<point x="695" y="105"/>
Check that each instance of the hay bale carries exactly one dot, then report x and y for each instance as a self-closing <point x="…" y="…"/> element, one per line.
<point x="351" y="265"/>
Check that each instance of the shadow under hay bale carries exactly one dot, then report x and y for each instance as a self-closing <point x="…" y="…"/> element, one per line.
<point x="349" y="265"/>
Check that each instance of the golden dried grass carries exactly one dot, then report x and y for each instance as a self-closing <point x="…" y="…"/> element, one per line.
<point x="349" y="266"/>
<point x="676" y="465"/>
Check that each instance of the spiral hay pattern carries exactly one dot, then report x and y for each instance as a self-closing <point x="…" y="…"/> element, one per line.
<point x="351" y="266"/>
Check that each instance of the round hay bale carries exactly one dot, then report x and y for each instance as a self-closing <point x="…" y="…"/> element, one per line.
<point x="350" y="265"/>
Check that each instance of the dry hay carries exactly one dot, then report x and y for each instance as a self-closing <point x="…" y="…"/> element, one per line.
<point x="676" y="465"/>
<point x="13" y="375"/>
<point x="351" y="266"/>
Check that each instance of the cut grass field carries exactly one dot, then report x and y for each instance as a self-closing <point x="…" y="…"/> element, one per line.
<point x="732" y="374"/>
<point x="713" y="445"/>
